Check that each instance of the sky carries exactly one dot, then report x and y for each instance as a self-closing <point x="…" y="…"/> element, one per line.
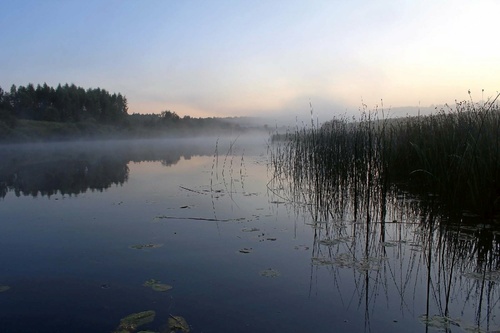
<point x="256" y="58"/>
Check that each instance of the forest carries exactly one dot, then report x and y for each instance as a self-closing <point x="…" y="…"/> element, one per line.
<point x="67" y="103"/>
<point x="44" y="113"/>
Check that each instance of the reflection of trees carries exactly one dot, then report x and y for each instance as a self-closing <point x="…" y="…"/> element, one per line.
<point x="74" y="168"/>
<point x="395" y="249"/>
<point x="50" y="172"/>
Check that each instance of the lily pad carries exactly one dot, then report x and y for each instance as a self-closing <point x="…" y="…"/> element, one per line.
<point x="270" y="273"/>
<point x="321" y="261"/>
<point x="157" y="285"/>
<point x="4" y="288"/>
<point x="344" y="260"/>
<point x="161" y="287"/>
<point x="145" y="246"/>
<point x="441" y="323"/>
<point x="330" y="242"/>
<point x="250" y="229"/>
<point x="177" y="324"/>
<point x="368" y="264"/>
<point x="131" y="322"/>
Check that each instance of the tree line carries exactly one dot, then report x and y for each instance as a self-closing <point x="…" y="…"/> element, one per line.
<point x="29" y="113"/>
<point x="65" y="103"/>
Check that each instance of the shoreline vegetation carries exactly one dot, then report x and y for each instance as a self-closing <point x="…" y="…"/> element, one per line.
<point x="68" y="112"/>
<point x="452" y="155"/>
<point x="451" y="158"/>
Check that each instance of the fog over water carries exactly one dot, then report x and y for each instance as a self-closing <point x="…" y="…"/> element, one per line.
<point x="92" y="232"/>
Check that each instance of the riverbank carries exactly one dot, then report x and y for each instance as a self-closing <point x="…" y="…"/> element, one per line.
<point x="24" y="131"/>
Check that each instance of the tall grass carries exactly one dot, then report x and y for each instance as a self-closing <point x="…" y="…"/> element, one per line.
<point x="452" y="156"/>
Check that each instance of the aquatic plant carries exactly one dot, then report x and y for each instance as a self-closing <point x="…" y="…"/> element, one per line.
<point x="178" y="324"/>
<point x="145" y="246"/>
<point x="377" y="188"/>
<point x="157" y="285"/>
<point x="131" y="322"/>
<point x="270" y="272"/>
<point x="453" y="155"/>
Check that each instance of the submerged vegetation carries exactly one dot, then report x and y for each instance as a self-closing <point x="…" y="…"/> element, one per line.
<point x="451" y="158"/>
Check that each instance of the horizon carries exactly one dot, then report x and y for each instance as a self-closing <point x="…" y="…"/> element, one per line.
<point x="256" y="59"/>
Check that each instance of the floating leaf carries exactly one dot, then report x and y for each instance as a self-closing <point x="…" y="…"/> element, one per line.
<point x="177" y="323"/>
<point x="344" y="260"/>
<point x="321" y="261"/>
<point x="161" y="287"/>
<point x="441" y="323"/>
<point x="145" y="246"/>
<point x="316" y="226"/>
<point x="270" y="273"/>
<point x="157" y="285"/>
<point x="250" y="229"/>
<point x="150" y="282"/>
<point x="368" y="264"/>
<point x="330" y="242"/>
<point x="131" y="322"/>
<point x="335" y="241"/>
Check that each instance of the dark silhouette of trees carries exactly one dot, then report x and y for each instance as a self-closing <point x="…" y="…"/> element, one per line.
<point x="169" y="117"/>
<point x="66" y="103"/>
<point x="29" y="113"/>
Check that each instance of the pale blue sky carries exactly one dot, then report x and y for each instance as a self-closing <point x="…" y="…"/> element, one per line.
<point x="232" y="58"/>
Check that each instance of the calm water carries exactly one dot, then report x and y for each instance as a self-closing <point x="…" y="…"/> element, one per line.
<point x="84" y="226"/>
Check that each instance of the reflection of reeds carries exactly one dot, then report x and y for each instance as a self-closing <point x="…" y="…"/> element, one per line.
<point x="463" y="264"/>
<point x="388" y="199"/>
<point x="223" y="178"/>
<point x="392" y="263"/>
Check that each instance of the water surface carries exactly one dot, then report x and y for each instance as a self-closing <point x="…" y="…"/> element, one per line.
<point x="84" y="226"/>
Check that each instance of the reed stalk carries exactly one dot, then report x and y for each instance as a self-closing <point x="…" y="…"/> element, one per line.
<point x="453" y="155"/>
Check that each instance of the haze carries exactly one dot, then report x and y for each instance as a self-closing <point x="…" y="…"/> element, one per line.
<point x="256" y="58"/>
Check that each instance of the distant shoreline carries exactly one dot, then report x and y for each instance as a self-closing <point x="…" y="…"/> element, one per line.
<point x="31" y="131"/>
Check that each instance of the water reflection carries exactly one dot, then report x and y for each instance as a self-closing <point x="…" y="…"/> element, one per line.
<point x="74" y="168"/>
<point x="441" y="269"/>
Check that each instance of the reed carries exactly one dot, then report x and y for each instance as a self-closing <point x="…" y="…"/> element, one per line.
<point x="451" y="157"/>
